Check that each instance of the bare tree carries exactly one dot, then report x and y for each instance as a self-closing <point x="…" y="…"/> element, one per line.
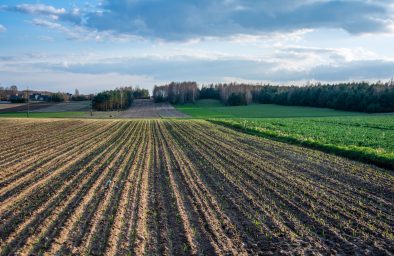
<point x="14" y="90"/>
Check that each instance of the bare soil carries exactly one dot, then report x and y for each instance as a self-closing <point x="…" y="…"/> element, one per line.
<point x="182" y="187"/>
<point x="73" y="106"/>
<point x="23" y="107"/>
<point x="146" y="108"/>
<point x="10" y="105"/>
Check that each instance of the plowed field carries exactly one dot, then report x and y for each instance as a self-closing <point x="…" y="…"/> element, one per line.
<point x="146" y="108"/>
<point x="169" y="187"/>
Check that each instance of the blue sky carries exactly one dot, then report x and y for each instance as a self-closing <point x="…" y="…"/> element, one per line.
<point x="96" y="45"/>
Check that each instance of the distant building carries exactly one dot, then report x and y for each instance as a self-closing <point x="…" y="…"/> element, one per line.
<point x="14" y="95"/>
<point x="68" y="96"/>
<point x="39" y="97"/>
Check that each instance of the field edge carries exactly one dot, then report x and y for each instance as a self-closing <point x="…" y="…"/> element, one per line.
<point x="361" y="154"/>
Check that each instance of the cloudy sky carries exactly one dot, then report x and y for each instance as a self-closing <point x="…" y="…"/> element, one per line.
<point x="95" y="45"/>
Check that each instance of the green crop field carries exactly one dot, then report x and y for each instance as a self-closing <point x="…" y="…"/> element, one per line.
<point x="214" y="109"/>
<point x="369" y="138"/>
<point x="356" y="135"/>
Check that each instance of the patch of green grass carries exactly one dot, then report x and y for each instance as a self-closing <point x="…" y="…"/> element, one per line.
<point x="215" y="109"/>
<point x="366" y="138"/>
<point x="45" y="115"/>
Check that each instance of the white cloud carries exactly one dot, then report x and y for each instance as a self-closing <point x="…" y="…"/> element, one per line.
<point x="282" y="37"/>
<point x="235" y="18"/>
<point x="66" y="81"/>
<point x="94" y="78"/>
<point x="81" y="33"/>
<point x="39" y="9"/>
<point x="2" y="28"/>
<point x="72" y="16"/>
<point x="286" y="65"/>
<point x="204" y="19"/>
<point x="295" y="57"/>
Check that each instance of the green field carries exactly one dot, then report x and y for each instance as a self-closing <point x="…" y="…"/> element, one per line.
<point x="359" y="136"/>
<point x="367" y="138"/>
<point x="214" y="109"/>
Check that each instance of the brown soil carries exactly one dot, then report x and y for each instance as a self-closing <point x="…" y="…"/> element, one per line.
<point x="143" y="108"/>
<point x="23" y="107"/>
<point x="177" y="187"/>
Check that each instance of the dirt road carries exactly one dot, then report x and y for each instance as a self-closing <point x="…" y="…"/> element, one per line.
<point x="149" y="109"/>
<point x="72" y="106"/>
<point x="23" y="107"/>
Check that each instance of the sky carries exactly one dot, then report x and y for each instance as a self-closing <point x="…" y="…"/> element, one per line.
<point x="61" y="45"/>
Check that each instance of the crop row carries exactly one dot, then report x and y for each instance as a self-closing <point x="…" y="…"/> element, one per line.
<point x="366" y="138"/>
<point x="167" y="187"/>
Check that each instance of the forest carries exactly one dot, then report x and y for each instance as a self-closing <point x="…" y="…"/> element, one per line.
<point x="117" y="99"/>
<point x="356" y="96"/>
<point x="176" y="93"/>
<point x="363" y="97"/>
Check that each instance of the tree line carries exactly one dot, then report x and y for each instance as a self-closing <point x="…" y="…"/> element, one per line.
<point x="176" y="93"/>
<point x="362" y="96"/>
<point x="118" y="99"/>
<point x="355" y="96"/>
<point x="14" y="95"/>
<point x="140" y="93"/>
<point x="6" y="92"/>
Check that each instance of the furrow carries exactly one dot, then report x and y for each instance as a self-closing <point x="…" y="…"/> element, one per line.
<point x="120" y="220"/>
<point x="97" y="240"/>
<point x="47" y="166"/>
<point x="59" y="169"/>
<point x="61" y="215"/>
<point x="40" y="155"/>
<point x="300" y="208"/>
<point x="14" y="156"/>
<point x="223" y="233"/>
<point x="75" y="226"/>
<point x="37" y="199"/>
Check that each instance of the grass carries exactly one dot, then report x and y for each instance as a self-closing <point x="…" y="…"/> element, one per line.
<point x="204" y="109"/>
<point x="366" y="138"/>
<point x="359" y="136"/>
<point x="45" y="115"/>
